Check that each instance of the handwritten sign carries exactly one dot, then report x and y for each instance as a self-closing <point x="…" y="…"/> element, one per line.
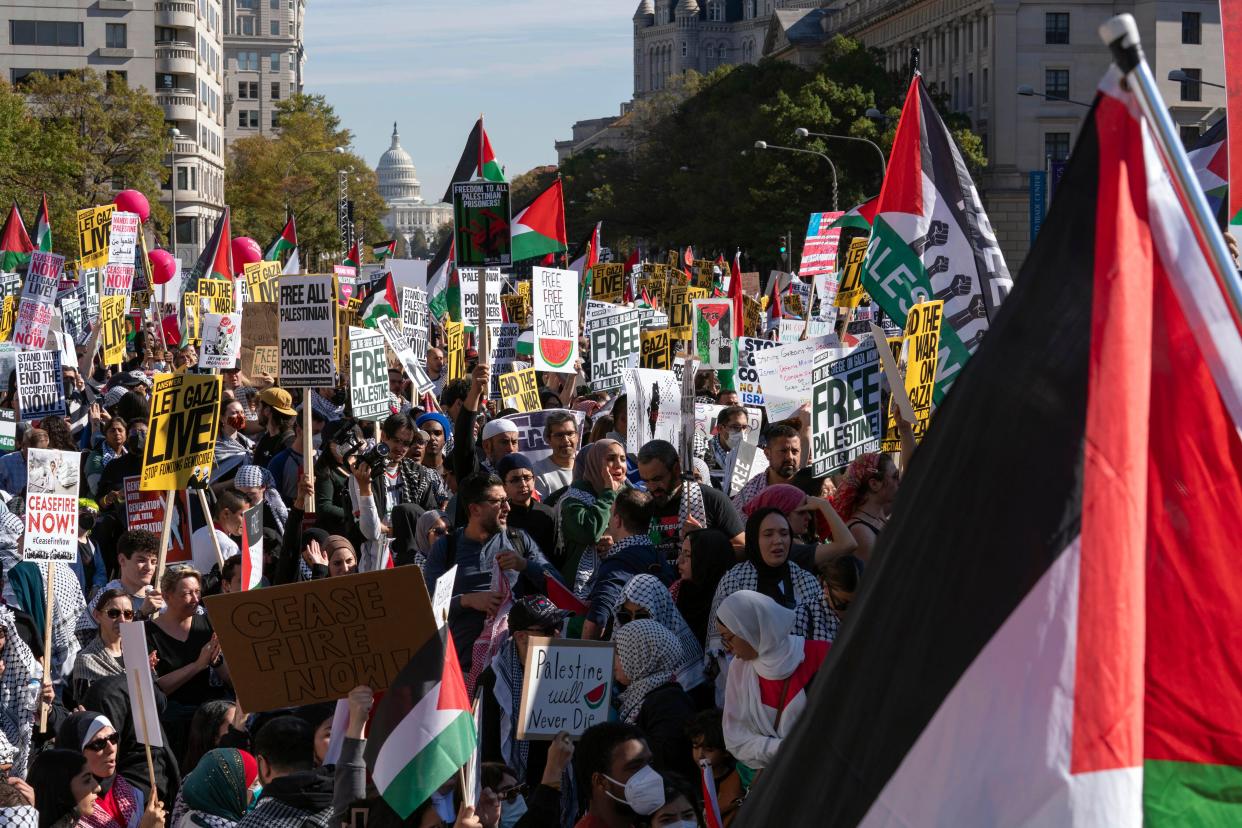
<point x="567" y="687"/>
<point x="266" y="360"/>
<point x="555" y="295"/>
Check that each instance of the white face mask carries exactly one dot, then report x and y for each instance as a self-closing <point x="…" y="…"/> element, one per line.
<point x="644" y="792"/>
<point x="734" y="439"/>
<point x="511" y="812"/>
<point x="685" y="823"/>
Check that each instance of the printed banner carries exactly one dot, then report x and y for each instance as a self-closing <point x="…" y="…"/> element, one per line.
<point x="455" y="350"/>
<point x="469" y="281"/>
<point x="51" y="505"/>
<point x="713" y="332"/>
<point x="93" y="225"/>
<point x="123" y="238"/>
<point x="218" y="295"/>
<point x="181" y="432"/>
<point x="113" y="325"/>
<point x="481" y="225"/>
<point x="567" y="687"/>
<point x="680" y="316"/>
<point x="520" y="390"/>
<point x="34" y="313"/>
<point x="845" y="406"/>
<point x="613" y="339"/>
<point x="920" y="350"/>
<point x="517" y="309"/>
<point x="221" y="341"/>
<point x="262" y="279"/>
<point x="555" y="294"/>
<point x="653" y="406"/>
<point x="368" y="375"/>
<point x="40" y="385"/>
<point x="657" y="352"/>
<point x="307" y="332"/>
<point x="748" y="386"/>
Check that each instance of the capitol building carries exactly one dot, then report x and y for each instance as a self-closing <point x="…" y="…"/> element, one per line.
<point x="399" y="187"/>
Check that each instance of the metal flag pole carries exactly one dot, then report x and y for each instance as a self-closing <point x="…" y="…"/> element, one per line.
<point x="1121" y="35"/>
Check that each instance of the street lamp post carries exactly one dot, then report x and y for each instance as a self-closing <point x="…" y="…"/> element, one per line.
<point x="173" y="133"/>
<point x="1028" y="91"/>
<point x="802" y="132"/>
<point x="764" y="145"/>
<point x="1178" y="76"/>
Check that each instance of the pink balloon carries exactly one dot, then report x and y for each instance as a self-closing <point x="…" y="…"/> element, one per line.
<point x="163" y="266"/>
<point x="245" y="251"/>
<point x="132" y="201"/>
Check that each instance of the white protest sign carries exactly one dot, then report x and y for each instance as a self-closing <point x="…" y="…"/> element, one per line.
<point x="554" y="308"/>
<point x="469" y="280"/>
<point x="566" y="687"/>
<point x="790" y="330"/>
<point x="40" y="385"/>
<point x="845" y="406"/>
<point x="221" y="340"/>
<point x="530" y="428"/>
<point x="307" y="332"/>
<point x="502" y="342"/>
<point x="415" y="320"/>
<point x="748" y="386"/>
<point x="405" y="355"/>
<point x="713" y="332"/>
<point x="51" y="505"/>
<point x="368" y="375"/>
<point x="613" y="339"/>
<point x="785" y="375"/>
<point x="745" y="462"/>
<point x="443" y="595"/>
<point x="8" y="429"/>
<point x="653" y="406"/>
<point x="141" y="689"/>
<point x="34" y="311"/>
<point x="123" y="238"/>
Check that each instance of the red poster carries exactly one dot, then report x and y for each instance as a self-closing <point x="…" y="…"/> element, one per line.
<point x="145" y="510"/>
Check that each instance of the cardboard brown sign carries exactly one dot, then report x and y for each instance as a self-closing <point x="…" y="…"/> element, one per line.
<point x="314" y="641"/>
<point x="260" y="328"/>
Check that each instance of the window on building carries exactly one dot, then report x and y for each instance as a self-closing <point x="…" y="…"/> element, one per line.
<point x="115" y="36"/>
<point x="165" y="81"/>
<point x="1056" y="27"/>
<point x="970" y="89"/>
<point x="685" y="50"/>
<point x="185" y="230"/>
<point x="274" y="5"/>
<point x="1056" y="84"/>
<point x="983" y="33"/>
<point x="245" y="25"/>
<point x="715" y="11"/>
<point x="957" y="93"/>
<point x="1192" y="28"/>
<point x="247" y="61"/>
<point x="274" y="61"/>
<point x="44" y="33"/>
<point x="957" y="41"/>
<point x="275" y="91"/>
<point x="248" y="118"/>
<point x="163" y="34"/>
<point x="983" y="86"/>
<point x="970" y="36"/>
<point x="273" y="27"/>
<point x="1190" y="135"/>
<point x="245" y="4"/>
<point x="248" y="90"/>
<point x="1057" y="145"/>
<point x="275" y="119"/>
<point x="1192" y="88"/>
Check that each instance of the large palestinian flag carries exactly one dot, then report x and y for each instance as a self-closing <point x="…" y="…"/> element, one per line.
<point x="930" y="238"/>
<point x="422" y="730"/>
<point x="216" y="260"/>
<point x="540" y="228"/>
<point x="15" y="246"/>
<point x="1048" y="632"/>
<point x="477" y="161"/>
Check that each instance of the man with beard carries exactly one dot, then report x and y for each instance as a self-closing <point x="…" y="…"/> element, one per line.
<point x="276" y="415"/>
<point x="676" y="508"/>
<point x="784" y="453"/>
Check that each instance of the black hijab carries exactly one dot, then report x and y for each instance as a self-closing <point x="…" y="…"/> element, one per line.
<point x="776" y="582"/>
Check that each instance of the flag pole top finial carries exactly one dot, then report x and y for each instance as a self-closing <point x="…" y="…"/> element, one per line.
<point x="914" y="61"/>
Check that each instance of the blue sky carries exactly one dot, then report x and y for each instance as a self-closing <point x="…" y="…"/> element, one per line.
<point x="532" y="67"/>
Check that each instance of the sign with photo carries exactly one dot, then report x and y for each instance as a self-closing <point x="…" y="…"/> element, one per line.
<point x="481" y="229"/>
<point x="51" y="505"/>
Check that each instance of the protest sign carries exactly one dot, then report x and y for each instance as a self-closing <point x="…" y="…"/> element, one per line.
<point x="261" y="280"/>
<point x="748" y="386"/>
<point x="193" y="327"/>
<point x="656" y="352"/>
<point x="713" y="332"/>
<point x="567" y="686"/>
<point x="653" y="408"/>
<point x="402" y="348"/>
<point x="443" y="595"/>
<point x="34" y="312"/>
<point x="516" y="309"/>
<point x="819" y="251"/>
<point x="8" y="429"/>
<point x="481" y="229"/>
<point x="745" y="462"/>
<point x="920" y="349"/>
<point x="51" y="505"/>
<point x="455" y="350"/>
<point x="40" y="385"/>
<point x="346" y="283"/>
<point x="608" y="282"/>
<point x="135" y="658"/>
<point x="845" y="406"/>
<point x="260" y="328"/>
<point x="8" y="317"/>
<point x="555" y="294"/>
<point x="530" y="425"/>
<point x="112" y="326"/>
<point x="680" y="316"/>
<point x="501" y="342"/>
<point x="266" y="360"/>
<point x="613" y="339"/>
<point x="123" y="237"/>
<point x="415" y="320"/>
<point x="307" y="332"/>
<point x="93" y="225"/>
<point x="752" y="315"/>
<point x="704" y="274"/>
<point x="469" y="281"/>
<point x="217" y="294"/>
<point x="790" y="330"/>
<point x="368" y="375"/>
<point x="314" y="641"/>
<point x="181" y="432"/>
<point x="145" y="510"/>
<point x="785" y="377"/>
<point x="520" y="390"/>
<point x="221" y="341"/>
<point x="850" y="290"/>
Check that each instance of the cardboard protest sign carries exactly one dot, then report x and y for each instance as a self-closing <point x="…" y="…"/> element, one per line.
<point x="520" y="390"/>
<point x="260" y="328"/>
<point x="145" y="510"/>
<point x="481" y="228"/>
<point x="680" y="316"/>
<point x="530" y="431"/>
<point x="845" y="406"/>
<point x="8" y="429"/>
<point x="713" y="332"/>
<point x="785" y="376"/>
<point x="920" y="351"/>
<point x="613" y="339"/>
<point x="146" y="717"/>
<point x="113" y="328"/>
<point x="368" y="375"/>
<point x="567" y="686"/>
<point x="314" y="641"/>
<point x="555" y="309"/>
<point x="656" y="353"/>
<point x="221" y="341"/>
<point x="307" y="332"/>
<point x="93" y="225"/>
<point x="516" y="309"/>
<point x="748" y="386"/>
<point x="40" y="385"/>
<point x="34" y="312"/>
<point x="653" y="406"/>
<point x="181" y="432"/>
<point x="608" y="282"/>
<point x="51" y="505"/>
<point x="266" y="360"/>
<point x="455" y="350"/>
<point x="404" y="351"/>
<point x="261" y="280"/>
<point x="850" y="290"/>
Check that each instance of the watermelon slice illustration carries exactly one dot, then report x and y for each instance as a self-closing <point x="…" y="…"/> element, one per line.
<point x="596" y="697"/>
<point x="555" y="352"/>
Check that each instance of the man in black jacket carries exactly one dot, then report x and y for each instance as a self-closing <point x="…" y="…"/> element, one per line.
<point x="295" y="794"/>
<point x="525" y="513"/>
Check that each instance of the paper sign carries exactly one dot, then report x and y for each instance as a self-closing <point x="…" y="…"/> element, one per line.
<point x="443" y="596"/>
<point x="850" y="292"/>
<point x="680" y="317"/>
<point x="368" y="375"/>
<point x="608" y="282"/>
<point x="123" y="238"/>
<point x="785" y="376"/>
<point x="613" y="340"/>
<point x="181" y="433"/>
<point x="520" y="390"/>
<point x="145" y="510"/>
<point x="314" y="641"/>
<point x="746" y="462"/>
<point x="845" y="406"/>
<point x="517" y="309"/>
<point x="113" y="328"/>
<point x="262" y="279"/>
<point x="455" y="350"/>
<point x="217" y="294"/>
<point x="567" y="687"/>
<point x="653" y="400"/>
<point x="8" y="429"/>
<point x="713" y="332"/>
<point x="307" y="332"/>
<point x="40" y="385"/>
<point x="405" y="355"/>
<point x="93" y="226"/>
<point x="221" y="340"/>
<point x="51" y="505"/>
<point x="481" y="225"/>
<point x="920" y="349"/>
<point x="141" y="687"/>
<point x="34" y="312"/>
<point x="555" y="294"/>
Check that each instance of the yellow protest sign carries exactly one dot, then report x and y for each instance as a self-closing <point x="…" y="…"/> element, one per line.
<point x="93" y="227"/>
<point x="608" y="283"/>
<point x="752" y="311"/>
<point x="674" y="259"/>
<point x="455" y="349"/>
<point x="922" y="347"/>
<point x="653" y="287"/>
<point x="704" y="273"/>
<point x="517" y="309"/>
<point x="193" y="320"/>
<point x="181" y="432"/>
<point x="520" y="390"/>
<point x="218" y="293"/>
<point x="680" y="318"/>
<point x="850" y="293"/>
<point x="112" y="324"/>
<point x="892" y="440"/>
<point x="261" y="280"/>
<point x="656" y="351"/>
<point x="7" y="317"/>
<point x="523" y="290"/>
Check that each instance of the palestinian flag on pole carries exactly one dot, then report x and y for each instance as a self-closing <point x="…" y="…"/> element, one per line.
<point x="352" y="259"/>
<point x="1088" y="675"/>
<point x="252" y="547"/>
<point x="216" y="260"/>
<point x="15" y="246"/>
<point x="589" y="259"/>
<point x="381" y="301"/>
<point x="931" y="238"/>
<point x="540" y="228"/>
<point x="439" y="274"/>
<point x="384" y="250"/>
<point x="1210" y="159"/>
<point x="859" y="217"/>
<point x="43" y="228"/>
<point x="286" y="241"/>
<point x="477" y="161"/>
<point x="421" y="730"/>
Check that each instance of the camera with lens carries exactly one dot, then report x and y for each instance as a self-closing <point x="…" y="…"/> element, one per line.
<point x="350" y="442"/>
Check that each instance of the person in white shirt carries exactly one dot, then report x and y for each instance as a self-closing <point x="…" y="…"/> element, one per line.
<point x="227" y="520"/>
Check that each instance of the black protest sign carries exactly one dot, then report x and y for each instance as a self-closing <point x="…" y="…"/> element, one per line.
<point x="307" y="331"/>
<point x="40" y="385"/>
<point x="845" y="406"/>
<point x="314" y="641"/>
<point x="181" y="432"/>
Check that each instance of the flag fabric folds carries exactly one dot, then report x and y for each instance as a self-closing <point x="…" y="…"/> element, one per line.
<point x="381" y="301"/>
<point x="352" y="258"/>
<point x="439" y="300"/>
<point x="43" y="228"/>
<point x="1210" y="159"/>
<point x="216" y="260"/>
<point x="540" y="228"/>
<point x="15" y="246"/>
<point x="286" y="241"/>
<point x="477" y="161"/>
<point x="384" y="250"/>
<point x="1087" y="675"/>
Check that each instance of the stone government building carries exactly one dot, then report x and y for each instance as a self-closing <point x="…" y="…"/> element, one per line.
<point x="401" y="190"/>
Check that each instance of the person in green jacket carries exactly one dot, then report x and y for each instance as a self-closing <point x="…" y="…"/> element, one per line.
<point x="586" y="509"/>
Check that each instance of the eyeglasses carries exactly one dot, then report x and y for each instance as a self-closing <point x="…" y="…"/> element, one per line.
<point x="738" y="429"/>
<point x="496" y="501"/>
<point x="118" y="613"/>
<point x="525" y="479"/>
<point x="512" y="793"/>
<point x="625" y="616"/>
<point x="101" y="743"/>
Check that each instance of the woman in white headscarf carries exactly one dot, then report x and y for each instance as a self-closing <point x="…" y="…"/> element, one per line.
<point x="768" y="663"/>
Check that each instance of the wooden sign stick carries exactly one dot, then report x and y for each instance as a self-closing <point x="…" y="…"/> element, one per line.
<point x="165" y="534"/>
<point x="47" y="641"/>
<point x="215" y="539"/>
<point x="308" y="448"/>
<point x="146" y="735"/>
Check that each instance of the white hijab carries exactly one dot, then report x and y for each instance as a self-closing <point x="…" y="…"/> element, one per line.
<point x="765" y="625"/>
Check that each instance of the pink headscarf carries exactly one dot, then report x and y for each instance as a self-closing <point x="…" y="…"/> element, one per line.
<point x="781" y="496"/>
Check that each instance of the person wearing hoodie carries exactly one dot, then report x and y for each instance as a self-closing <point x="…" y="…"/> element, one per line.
<point x="295" y="793"/>
<point x="631" y="554"/>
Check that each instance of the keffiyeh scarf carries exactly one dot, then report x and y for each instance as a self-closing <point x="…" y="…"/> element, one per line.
<point x="129" y="801"/>
<point x="648" y="654"/>
<point x="496" y="626"/>
<point x="589" y="562"/>
<point x="19" y="816"/>
<point x="16" y="701"/>
<point x="648" y="592"/>
<point x="812" y="621"/>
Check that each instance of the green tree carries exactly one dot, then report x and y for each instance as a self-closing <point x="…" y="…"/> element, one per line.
<point x="299" y="169"/>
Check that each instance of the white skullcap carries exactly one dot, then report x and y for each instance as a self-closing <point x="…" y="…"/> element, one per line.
<point x="498" y="427"/>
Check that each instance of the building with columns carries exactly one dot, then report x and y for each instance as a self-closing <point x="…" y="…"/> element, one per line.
<point x="401" y="190"/>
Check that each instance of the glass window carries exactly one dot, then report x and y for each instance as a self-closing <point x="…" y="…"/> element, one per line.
<point x="274" y="60"/>
<point x="183" y="177"/>
<point x="970" y="36"/>
<point x="115" y="36"/>
<point x="274" y="26"/>
<point x="164" y="81"/>
<point x="983" y="33"/>
<point x="1192" y="89"/>
<point x="245" y="4"/>
<point x="275" y="119"/>
<point x="185" y="230"/>
<point x="715" y="11"/>
<point x="970" y="89"/>
<point x="163" y="34"/>
<point x="246" y="25"/>
<point x="44" y="33"/>
<point x="1056" y="84"/>
<point x="983" y="86"/>
<point x="1057" y="145"/>
<point x="275" y="91"/>
<point x="1192" y="28"/>
<point x="274" y="5"/>
<point x="1056" y="27"/>
<point x="1190" y="135"/>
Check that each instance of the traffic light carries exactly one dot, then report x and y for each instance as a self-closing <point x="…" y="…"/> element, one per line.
<point x="784" y="246"/>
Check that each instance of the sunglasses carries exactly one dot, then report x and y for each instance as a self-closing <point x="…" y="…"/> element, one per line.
<point x="117" y="613"/>
<point x="99" y="744"/>
<point x="439" y="531"/>
<point x="624" y="616"/>
<point x="510" y="794"/>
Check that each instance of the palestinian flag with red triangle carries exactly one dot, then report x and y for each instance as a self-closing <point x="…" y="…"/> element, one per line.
<point x="422" y="730"/>
<point x="284" y="242"/>
<point x="43" y="227"/>
<point x="15" y="246"/>
<point x="1210" y="159"/>
<point x="477" y="161"/>
<point x="931" y="239"/>
<point x="1048" y="632"/>
<point x="216" y="260"/>
<point x="540" y="228"/>
<point x="352" y="259"/>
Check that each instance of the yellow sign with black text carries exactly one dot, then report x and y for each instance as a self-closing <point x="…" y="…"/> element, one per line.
<point x="520" y="390"/>
<point x="112" y="325"/>
<point x="94" y="226"/>
<point x="656" y="351"/>
<point x="181" y="431"/>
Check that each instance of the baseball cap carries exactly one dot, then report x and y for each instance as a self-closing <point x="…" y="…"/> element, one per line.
<point x="534" y="612"/>
<point x="279" y="399"/>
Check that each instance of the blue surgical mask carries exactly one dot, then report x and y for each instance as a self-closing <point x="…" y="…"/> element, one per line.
<point x="511" y="812"/>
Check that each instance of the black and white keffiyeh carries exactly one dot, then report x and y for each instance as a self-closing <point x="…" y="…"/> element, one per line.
<point x="507" y="666"/>
<point x="272" y="813"/>
<point x="813" y="620"/>
<point x="19" y="816"/>
<point x="750" y="491"/>
<point x="648" y="592"/>
<point x="649" y="654"/>
<point x="16" y="697"/>
<point x="252" y="476"/>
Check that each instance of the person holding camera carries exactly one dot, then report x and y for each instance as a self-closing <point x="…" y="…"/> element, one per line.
<point x="333" y="504"/>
